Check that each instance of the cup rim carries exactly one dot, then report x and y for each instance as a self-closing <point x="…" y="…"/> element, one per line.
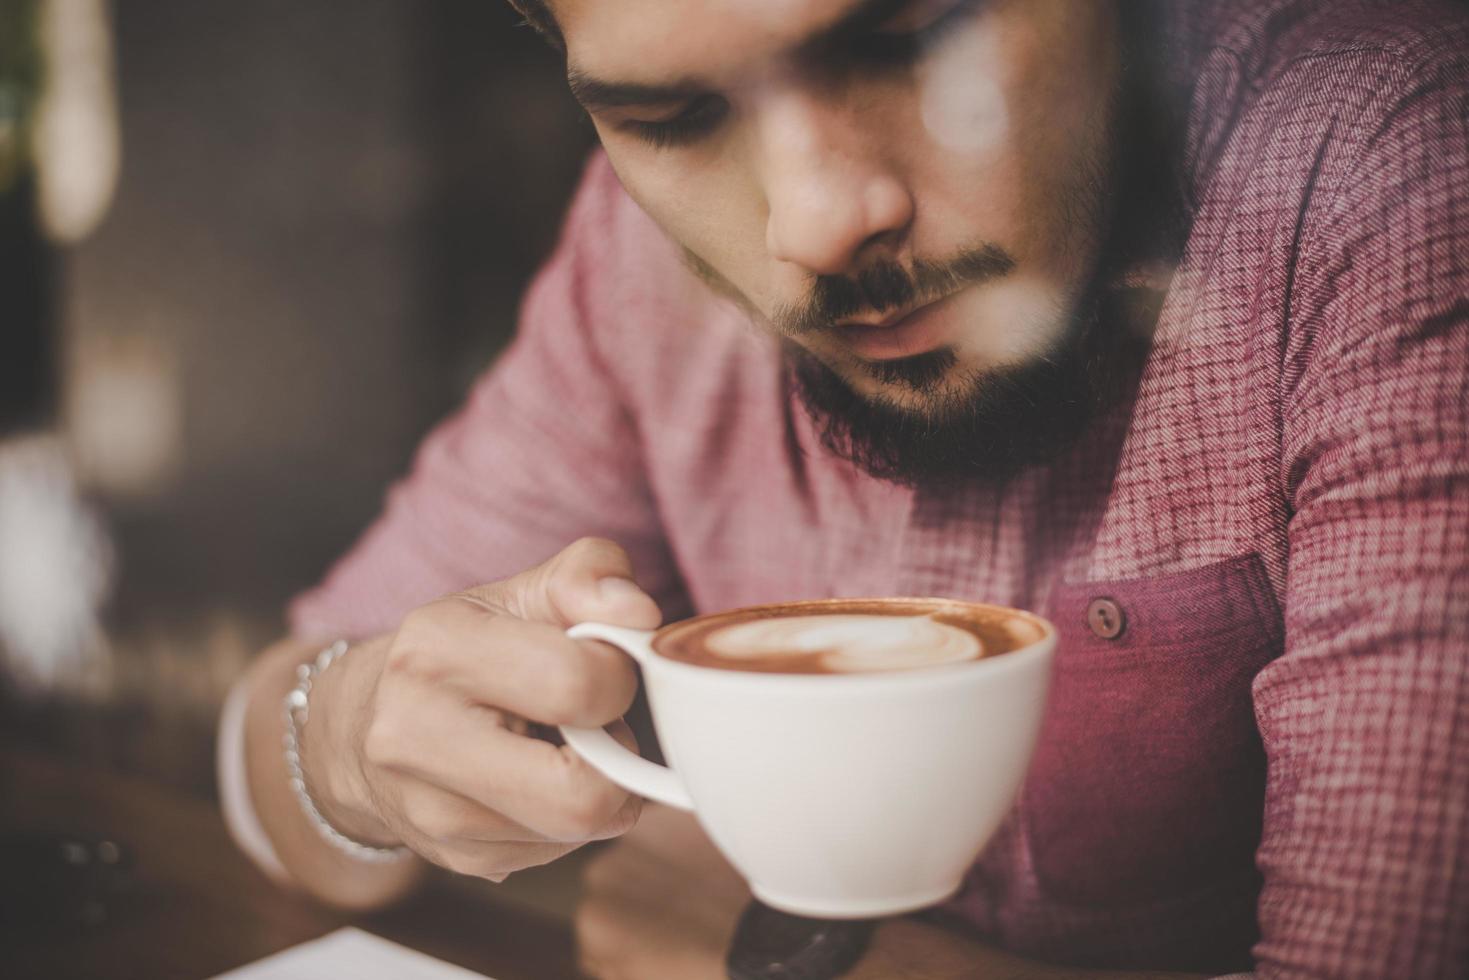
<point x="1000" y="662"/>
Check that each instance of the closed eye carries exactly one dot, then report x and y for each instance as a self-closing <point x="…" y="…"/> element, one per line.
<point x="696" y="119"/>
<point x="899" y="39"/>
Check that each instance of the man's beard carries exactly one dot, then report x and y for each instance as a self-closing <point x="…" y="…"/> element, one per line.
<point x="991" y="424"/>
<point x="987" y="425"/>
<point x="886" y="286"/>
<point x="932" y="419"/>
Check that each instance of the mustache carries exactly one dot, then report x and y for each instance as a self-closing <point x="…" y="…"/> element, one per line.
<point x="889" y="286"/>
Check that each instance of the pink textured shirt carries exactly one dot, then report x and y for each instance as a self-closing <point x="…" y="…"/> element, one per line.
<point x="1270" y="764"/>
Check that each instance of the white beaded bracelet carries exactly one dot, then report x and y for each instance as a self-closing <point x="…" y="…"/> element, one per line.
<point x="297" y="708"/>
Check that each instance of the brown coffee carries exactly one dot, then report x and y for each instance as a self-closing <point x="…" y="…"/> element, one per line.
<point x="847" y="636"/>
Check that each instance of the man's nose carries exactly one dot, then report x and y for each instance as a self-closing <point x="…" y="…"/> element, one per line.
<point x="830" y="194"/>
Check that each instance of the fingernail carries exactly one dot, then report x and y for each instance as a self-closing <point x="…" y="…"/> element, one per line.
<point x="614" y="589"/>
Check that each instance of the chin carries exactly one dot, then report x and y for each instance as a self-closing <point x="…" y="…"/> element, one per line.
<point x="932" y="401"/>
<point x="924" y="386"/>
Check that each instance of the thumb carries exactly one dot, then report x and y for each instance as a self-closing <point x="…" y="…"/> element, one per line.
<point x="589" y="580"/>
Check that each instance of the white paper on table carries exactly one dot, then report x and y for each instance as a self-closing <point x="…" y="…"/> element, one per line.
<point x="350" y="953"/>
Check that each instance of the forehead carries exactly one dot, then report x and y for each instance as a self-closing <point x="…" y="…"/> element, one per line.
<point x="656" y="39"/>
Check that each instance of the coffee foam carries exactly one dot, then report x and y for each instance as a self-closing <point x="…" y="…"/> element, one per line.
<point x="848" y="643"/>
<point x="857" y="635"/>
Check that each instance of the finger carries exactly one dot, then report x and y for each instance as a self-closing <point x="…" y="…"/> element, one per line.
<point x="627" y="817"/>
<point x="457" y="833"/>
<point x="497" y="860"/>
<point x="431" y="812"/>
<point x="589" y="580"/>
<point x="547" y="788"/>
<point x="531" y="669"/>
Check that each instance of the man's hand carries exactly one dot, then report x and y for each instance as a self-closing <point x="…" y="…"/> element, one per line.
<point x="425" y="738"/>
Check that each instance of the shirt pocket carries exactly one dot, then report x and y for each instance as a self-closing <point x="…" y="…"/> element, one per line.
<point x="1148" y="779"/>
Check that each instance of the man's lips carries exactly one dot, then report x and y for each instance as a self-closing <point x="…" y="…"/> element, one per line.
<point x="918" y="331"/>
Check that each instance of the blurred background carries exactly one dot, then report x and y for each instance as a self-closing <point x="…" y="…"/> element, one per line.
<point x="249" y="253"/>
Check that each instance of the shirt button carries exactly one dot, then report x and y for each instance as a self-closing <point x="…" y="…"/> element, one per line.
<point x="1106" y="618"/>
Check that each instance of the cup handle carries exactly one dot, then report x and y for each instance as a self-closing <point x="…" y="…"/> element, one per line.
<point x="607" y="755"/>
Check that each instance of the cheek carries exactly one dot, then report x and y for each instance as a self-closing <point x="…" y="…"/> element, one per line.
<point x="1017" y="115"/>
<point x="971" y="103"/>
<point x="1066" y="87"/>
<point x="963" y="96"/>
<point x="704" y="203"/>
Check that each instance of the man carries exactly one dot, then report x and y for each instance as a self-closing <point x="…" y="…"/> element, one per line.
<point x="1152" y="322"/>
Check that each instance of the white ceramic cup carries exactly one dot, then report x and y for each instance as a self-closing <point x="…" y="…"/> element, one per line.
<point x="838" y="795"/>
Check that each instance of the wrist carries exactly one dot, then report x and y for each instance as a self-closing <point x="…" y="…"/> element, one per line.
<point x="330" y="746"/>
<point x="309" y="862"/>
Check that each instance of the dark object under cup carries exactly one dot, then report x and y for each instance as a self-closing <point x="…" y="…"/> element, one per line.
<point x="773" y="945"/>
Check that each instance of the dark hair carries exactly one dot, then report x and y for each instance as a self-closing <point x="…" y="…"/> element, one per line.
<point x="538" y="15"/>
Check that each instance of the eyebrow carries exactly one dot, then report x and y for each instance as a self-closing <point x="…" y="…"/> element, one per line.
<point x="596" y="93"/>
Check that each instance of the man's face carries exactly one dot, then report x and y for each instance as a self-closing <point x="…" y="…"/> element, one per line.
<point x="909" y="191"/>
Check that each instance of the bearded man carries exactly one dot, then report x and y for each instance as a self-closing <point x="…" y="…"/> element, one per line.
<point x="1150" y="318"/>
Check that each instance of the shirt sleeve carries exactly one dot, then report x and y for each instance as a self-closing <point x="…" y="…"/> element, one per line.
<point x="546" y="450"/>
<point x="1365" y="718"/>
<point x="235" y="802"/>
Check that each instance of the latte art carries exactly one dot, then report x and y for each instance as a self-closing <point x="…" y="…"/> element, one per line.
<point x="848" y="636"/>
<point x="847" y="643"/>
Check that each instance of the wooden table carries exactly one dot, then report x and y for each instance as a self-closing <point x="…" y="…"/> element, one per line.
<point x="189" y="905"/>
